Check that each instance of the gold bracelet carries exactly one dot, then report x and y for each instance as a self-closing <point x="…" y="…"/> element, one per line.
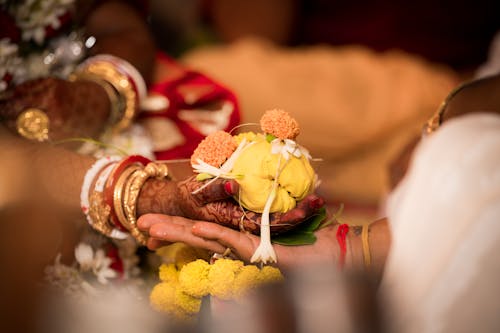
<point x="118" y="194"/>
<point x="120" y="82"/>
<point x="116" y="101"/>
<point x="99" y="213"/>
<point x="131" y="194"/>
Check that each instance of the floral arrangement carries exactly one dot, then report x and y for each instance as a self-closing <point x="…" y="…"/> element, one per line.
<point x="181" y="290"/>
<point x="272" y="169"/>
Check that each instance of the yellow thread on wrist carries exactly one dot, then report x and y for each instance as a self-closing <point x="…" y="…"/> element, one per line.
<point x="366" y="245"/>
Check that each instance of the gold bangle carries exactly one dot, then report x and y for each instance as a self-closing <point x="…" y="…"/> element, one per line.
<point x="99" y="213"/>
<point x="366" y="245"/>
<point x="120" y="82"/>
<point x="118" y="193"/>
<point x="117" y="103"/>
<point x="131" y="194"/>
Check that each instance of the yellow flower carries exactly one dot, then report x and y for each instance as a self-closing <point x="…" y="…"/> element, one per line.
<point x="222" y="276"/>
<point x="193" y="278"/>
<point x="186" y="303"/>
<point x="250" y="136"/>
<point x="169" y="273"/>
<point x="258" y="167"/>
<point x="246" y="280"/>
<point x="269" y="274"/>
<point x="162" y="297"/>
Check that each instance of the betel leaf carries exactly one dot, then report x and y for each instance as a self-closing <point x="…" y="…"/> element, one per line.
<point x="295" y="238"/>
<point x="304" y="233"/>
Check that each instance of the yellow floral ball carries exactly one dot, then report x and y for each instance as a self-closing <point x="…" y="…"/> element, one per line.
<point x="257" y="168"/>
<point x="193" y="278"/>
<point x="222" y="276"/>
<point x="162" y="297"/>
<point x="246" y="280"/>
<point x="169" y="273"/>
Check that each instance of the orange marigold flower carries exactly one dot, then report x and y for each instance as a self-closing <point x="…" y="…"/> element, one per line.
<point x="215" y="149"/>
<point x="280" y="124"/>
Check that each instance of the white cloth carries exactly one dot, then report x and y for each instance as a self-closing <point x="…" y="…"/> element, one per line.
<point x="443" y="272"/>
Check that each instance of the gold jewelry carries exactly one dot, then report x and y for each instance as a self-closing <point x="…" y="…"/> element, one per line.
<point x="131" y="193"/>
<point x="105" y="70"/>
<point x="99" y="213"/>
<point x="33" y="124"/>
<point x="437" y="118"/>
<point x="118" y="193"/>
<point x="366" y="245"/>
<point x="117" y="103"/>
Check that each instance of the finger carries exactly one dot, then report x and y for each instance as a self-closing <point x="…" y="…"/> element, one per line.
<point x="243" y="244"/>
<point x="148" y="220"/>
<point x="178" y="229"/>
<point x="217" y="190"/>
<point x="304" y="209"/>
<point x="154" y="244"/>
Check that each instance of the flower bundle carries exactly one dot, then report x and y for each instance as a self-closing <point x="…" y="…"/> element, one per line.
<point x="272" y="169"/>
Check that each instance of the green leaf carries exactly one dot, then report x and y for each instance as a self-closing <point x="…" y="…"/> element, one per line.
<point x="270" y="137"/>
<point x="304" y="233"/>
<point x="295" y="238"/>
<point x="312" y="224"/>
<point x="203" y="176"/>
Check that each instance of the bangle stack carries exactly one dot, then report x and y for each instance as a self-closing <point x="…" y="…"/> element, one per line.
<point x="123" y="84"/>
<point x="111" y="205"/>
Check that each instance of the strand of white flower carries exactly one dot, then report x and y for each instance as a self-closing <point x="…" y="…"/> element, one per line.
<point x="265" y="250"/>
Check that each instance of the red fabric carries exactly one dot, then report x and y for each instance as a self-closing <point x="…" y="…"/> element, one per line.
<point x="342" y="231"/>
<point x="177" y="103"/>
<point x="116" y="260"/>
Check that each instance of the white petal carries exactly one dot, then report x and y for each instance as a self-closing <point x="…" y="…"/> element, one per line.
<point x="84" y="255"/>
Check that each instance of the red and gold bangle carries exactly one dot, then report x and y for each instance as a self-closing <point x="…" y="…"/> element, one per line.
<point x="113" y="179"/>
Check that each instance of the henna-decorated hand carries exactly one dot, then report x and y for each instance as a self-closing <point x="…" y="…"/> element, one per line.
<point x="166" y="229"/>
<point x="74" y="109"/>
<point x="214" y="203"/>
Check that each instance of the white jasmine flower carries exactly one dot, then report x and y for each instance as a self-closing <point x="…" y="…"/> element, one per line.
<point x="288" y="147"/>
<point x="96" y="262"/>
<point x="84" y="255"/>
<point x="102" y="269"/>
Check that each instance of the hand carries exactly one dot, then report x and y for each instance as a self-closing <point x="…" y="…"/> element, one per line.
<point x="165" y="229"/>
<point x="215" y="204"/>
<point x="75" y="109"/>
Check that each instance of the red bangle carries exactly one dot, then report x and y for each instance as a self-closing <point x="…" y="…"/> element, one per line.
<point x="111" y="183"/>
<point x="342" y="231"/>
